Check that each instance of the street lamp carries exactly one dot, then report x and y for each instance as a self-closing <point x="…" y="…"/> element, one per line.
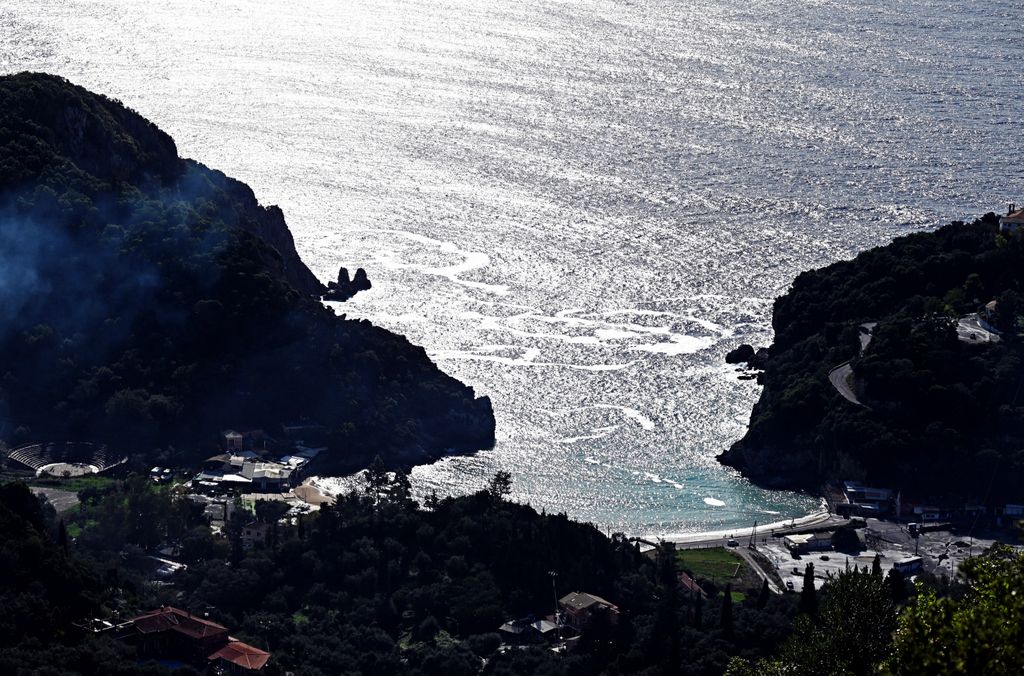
<point x="554" y="592"/>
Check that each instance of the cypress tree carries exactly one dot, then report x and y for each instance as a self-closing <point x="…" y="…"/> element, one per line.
<point x="727" y="612"/>
<point x="808" y="596"/>
<point x="62" y="537"/>
<point x="762" y="598"/>
<point x="876" y="565"/>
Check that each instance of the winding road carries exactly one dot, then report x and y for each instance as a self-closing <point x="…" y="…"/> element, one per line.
<point x="841" y="376"/>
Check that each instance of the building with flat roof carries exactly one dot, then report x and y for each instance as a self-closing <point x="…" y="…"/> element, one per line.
<point x="579" y="609"/>
<point x="808" y="542"/>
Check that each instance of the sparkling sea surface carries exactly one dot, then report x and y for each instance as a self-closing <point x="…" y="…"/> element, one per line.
<point x="577" y="207"/>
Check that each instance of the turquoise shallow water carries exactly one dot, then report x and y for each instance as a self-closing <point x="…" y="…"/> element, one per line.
<point x="577" y="207"/>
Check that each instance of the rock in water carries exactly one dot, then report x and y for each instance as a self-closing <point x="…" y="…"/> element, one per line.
<point x="345" y="288"/>
<point x="741" y="355"/>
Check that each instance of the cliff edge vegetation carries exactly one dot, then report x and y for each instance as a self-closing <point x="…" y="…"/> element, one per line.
<point x="147" y="301"/>
<point x="940" y="415"/>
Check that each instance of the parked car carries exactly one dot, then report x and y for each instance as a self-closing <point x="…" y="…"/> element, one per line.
<point x="732" y="542"/>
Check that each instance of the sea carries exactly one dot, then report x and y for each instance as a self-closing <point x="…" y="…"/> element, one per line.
<point x="577" y="207"/>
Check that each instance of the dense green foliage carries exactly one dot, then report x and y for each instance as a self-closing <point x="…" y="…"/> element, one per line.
<point x="377" y="585"/>
<point x="943" y="418"/>
<point x="43" y="592"/>
<point x="148" y="301"/>
<point x="981" y="633"/>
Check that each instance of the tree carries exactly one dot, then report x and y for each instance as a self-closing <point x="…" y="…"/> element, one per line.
<point x="432" y="501"/>
<point x="727" y="611"/>
<point x="270" y="511"/>
<point x="846" y="540"/>
<point x="852" y="634"/>
<point x="762" y="598"/>
<point x="978" y="634"/>
<point x="698" y="611"/>
<point x="62" y="537"/>
<point x="808" y="595"/>
<point x="500" y="485"/>
<point x="876" y="566"/>
<point x="376" y="480"/>
<point x="897" y="585"/>
<point x="400" y="489"/>
<point x="666" y="626"/>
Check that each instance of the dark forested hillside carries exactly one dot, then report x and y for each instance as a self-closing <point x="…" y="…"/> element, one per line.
<point x="146" y="300"/>
<point x="942" y="418"/>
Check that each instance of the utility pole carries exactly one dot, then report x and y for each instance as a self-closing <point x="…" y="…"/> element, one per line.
<point x="753" y="534"/>
<point x="554" y="592"/>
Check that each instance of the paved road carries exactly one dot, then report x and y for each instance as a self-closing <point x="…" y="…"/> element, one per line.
<point x="756" y="567"/>
<point x="841" y="376"/>
<point x="721" y="538"/>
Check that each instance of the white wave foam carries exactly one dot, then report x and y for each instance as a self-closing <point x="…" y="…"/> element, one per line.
<point x="472" y="260"/>
<point x="529" y="354"/>
<point x="677" y="344"/>
<point x="714" y="502"/>
<point x="630" y="413"/>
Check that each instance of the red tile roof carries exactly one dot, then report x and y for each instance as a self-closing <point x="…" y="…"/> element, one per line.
<point x="242" y="654"/>
<point x="1013" y="217"/>
<point x="690" y="585"/>
<point x="175" y="619"/>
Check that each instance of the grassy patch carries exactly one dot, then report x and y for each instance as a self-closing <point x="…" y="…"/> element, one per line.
<point x="719" y="565"/>
<point x="75" y="484"/>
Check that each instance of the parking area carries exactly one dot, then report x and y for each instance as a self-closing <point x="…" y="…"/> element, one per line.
<point x="941" y="551"/>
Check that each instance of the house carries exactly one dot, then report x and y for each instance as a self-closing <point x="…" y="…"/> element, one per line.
<point x="690" y="586"/>
<point x="580" y="609"/>
<point x="1013" y="219"/>
<point x="930" y="513"/>
<point x="528" y="630"/>
<point x="858" y="492"/>
<point x="909" y="565"/>
<point x="169" y="633"/>
<point x="238" y="658"/>
<point x="248" y="472"/>
<point x="1009" y="514"/>
<point x="866" y="500"/>
<point x="173" y="633"/>
<point x="808" y="542"/>
<point x="255" y="534"/>
<point x="233" y="441"/>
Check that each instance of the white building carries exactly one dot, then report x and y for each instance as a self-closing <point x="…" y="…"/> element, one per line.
<point x="1013" y="219"/>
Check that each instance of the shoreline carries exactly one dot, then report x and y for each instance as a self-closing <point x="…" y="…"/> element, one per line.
<point x="332" y="486"/>
<point x="817" y="517"/>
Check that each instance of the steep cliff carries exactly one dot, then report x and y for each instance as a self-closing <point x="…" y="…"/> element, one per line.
<point x="940" y="415"/>
<point x="148" y="301"/>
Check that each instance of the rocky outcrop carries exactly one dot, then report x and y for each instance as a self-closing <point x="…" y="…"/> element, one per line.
<point x="345" y="288"/>
<point x="174" y="304"/>
<point x="745" y="354"/>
